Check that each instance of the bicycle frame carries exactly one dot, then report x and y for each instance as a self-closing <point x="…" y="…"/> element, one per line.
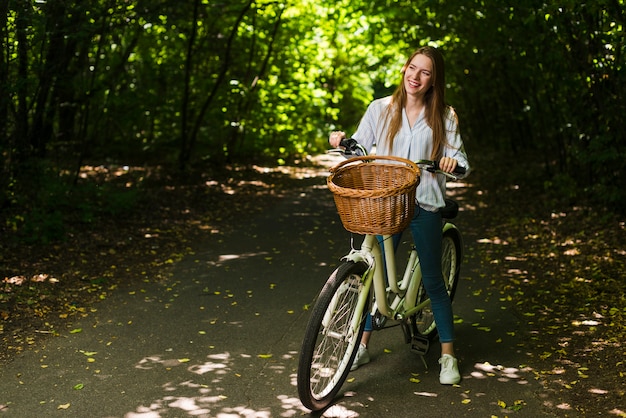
<point x="405" y="291"/>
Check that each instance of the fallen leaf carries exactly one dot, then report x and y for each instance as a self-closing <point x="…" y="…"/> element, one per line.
<point x="518" y="404"/>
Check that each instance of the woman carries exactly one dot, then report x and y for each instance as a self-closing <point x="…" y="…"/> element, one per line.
<point x="415" y="123"/>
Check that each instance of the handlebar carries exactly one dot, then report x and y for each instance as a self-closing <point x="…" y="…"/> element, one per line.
<point x="350" y="146"/>
<point x="433" y="167"/>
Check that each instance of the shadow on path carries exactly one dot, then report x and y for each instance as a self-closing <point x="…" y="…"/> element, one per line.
<point x="221" y="337"/>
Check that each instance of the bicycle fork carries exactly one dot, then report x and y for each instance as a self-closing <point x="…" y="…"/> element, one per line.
<point x="358" y="286"/>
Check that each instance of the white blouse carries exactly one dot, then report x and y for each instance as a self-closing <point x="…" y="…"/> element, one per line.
<point x="414" y="143"/>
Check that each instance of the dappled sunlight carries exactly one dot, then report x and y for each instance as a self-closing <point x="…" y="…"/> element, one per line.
<point x="501" y="373"/>
<point x="291" y="405"/>
<point x="295" y="172"/>
<point x="209" y="367"/>
<point x="493" y="240"/>
<point x="152" y="361"/>
<point x="293" y="378"/>
<point x="224" y="258"/>
<point x="242" y="411"/>
<point x="231" y="189"/>
<point x="190" y="397"/>
<point x="426" y="394"/>
<point x="204" y="391"/>
<point x="339" y="411"/>
<point x="107" y="172"/>
<point x="457" y="190"/>
<point x="188" y="404"/>
<point x="580" y="381"/>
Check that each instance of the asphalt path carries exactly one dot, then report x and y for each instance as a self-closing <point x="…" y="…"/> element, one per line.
<point x="221" y="337"/>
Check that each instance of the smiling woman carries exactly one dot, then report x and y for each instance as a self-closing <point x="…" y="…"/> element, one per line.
<point x="417" y="83"/>
<point x="415" y="123"/>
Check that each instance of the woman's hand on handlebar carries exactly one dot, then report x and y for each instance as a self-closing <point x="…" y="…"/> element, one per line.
<point x="447" y="164"/>
<point x="335" y="138"/>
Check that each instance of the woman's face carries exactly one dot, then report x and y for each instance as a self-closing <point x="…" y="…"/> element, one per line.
<point x="418" y="75"/>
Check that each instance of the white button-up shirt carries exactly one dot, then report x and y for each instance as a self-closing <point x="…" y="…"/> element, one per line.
<point x="414" y="143"/>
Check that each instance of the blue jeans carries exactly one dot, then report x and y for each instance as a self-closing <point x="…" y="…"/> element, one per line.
<point x="426" y="230"/>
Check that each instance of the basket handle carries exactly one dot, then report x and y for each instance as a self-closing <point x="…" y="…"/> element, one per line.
<point x="367" y="158"/>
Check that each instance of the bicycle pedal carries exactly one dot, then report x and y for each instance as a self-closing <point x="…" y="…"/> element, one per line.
<point x="420" y="344"/>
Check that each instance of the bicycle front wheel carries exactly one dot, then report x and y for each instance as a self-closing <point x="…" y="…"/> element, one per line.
<point x="330" y="341"/>
<point x="424" y="320"/>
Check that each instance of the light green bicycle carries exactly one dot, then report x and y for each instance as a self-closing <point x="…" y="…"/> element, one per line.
<point x="366" y="282"/>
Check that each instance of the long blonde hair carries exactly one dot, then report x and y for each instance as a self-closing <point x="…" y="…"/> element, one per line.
<point x="434" y="102"/>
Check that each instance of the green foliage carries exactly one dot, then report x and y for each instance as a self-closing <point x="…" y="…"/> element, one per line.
<point x="164" y="82"/>
<point x="552" y="86"/>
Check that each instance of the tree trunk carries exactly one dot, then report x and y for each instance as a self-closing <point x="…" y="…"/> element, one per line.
<point x="191" y="138"/>
<point x="245" y="103"/>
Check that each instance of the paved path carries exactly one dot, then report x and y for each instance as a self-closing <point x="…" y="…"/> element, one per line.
<point x="221" y="338"/>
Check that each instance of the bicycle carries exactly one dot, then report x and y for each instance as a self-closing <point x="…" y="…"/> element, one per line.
<point x="366" y="281"/>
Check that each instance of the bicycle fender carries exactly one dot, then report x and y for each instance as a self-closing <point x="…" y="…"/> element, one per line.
<point x="452" y="227"/>
<point x="449" y="226"/>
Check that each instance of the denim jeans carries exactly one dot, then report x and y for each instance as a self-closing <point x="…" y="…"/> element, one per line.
<point x="426" y="230"/>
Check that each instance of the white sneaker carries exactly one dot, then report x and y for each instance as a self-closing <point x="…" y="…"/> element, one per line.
<point x="449" y="374"/>
<point x="362" y="357"/>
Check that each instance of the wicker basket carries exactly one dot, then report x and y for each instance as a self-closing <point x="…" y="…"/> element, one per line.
<point x="373" y="197"/>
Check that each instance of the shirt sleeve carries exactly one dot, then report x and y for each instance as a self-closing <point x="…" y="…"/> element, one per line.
<point x="369" y="130"/>
<point x="455" y="148"/>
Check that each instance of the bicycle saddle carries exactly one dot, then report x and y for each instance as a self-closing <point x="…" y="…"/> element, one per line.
<point x="451" y="209"/>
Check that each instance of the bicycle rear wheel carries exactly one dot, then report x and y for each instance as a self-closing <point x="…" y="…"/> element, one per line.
<point x="330" y="344"/>
<point x="424" y="321"/>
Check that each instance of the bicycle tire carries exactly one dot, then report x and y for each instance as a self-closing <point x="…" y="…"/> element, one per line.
<point x="451" y="247"/>
<point x="329" y="347"/>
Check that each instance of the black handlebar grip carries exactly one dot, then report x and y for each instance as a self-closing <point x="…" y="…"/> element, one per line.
<point x="457" y="170"/>
<point x="349" y="143"/>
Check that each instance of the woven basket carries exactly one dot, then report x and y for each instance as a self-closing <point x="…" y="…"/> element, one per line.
<point x="373" y="197"/>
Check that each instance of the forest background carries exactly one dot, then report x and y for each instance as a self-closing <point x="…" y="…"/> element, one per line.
<point x="177" y="84"/>
<point x="105" y="105"/>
